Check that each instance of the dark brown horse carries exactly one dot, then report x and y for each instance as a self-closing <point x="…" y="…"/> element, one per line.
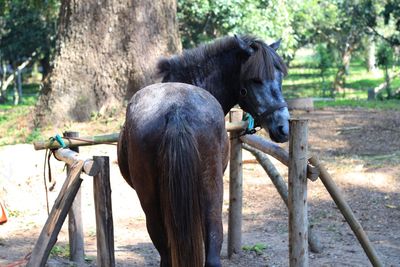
<point x="173" y="148"/>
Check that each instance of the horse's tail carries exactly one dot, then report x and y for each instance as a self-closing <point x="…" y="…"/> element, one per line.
<point x="180" y="192"/>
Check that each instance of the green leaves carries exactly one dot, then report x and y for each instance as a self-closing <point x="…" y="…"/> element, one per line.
<point x="385" y="56"/>
<point x="203" y="20"/>
<point x="257" y="248"/>
<point x="27" y="27"/>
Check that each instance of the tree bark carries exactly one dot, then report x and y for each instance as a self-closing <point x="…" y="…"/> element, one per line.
<point x="106" y="51"/>
<point x="339" y="83"/>
<point x="388" y="81"/>
<point x="371" y="54"/>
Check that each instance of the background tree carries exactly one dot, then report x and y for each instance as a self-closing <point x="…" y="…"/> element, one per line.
<point x="204" y="20"/>
<point x="389" y="14"/>
<point x="324" y="59"/>
<point x="27" y="33"/>
<point x="106" y="51"/>
<point x="386" y="59"/>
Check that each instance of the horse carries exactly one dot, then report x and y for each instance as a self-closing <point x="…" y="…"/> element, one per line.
<point x="173" y="147"/>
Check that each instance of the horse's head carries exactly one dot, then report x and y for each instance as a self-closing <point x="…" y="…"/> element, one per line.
<point x="260" y="92"/>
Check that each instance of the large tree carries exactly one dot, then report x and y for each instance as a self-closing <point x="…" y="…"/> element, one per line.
<point x="106" y="51"/>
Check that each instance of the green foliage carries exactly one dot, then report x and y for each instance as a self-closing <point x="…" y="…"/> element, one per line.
<point x="314" y="20"/>
<point x="385" y="56"/>
<point x="204" y="20"/>
<point x="391" y="14"/>
<point x="60" y="251"/>
<point x="15" y="119"/>
<point x="30" y="92"/>
<point x="34" y="135"/>
<point x="14" y="213"/>
<point x="257" y="248"/>
<point x="386" y="59"/>
<point x="324" y="59"/>
<point x="304" y="78"/>
<point x="27" y="28"/>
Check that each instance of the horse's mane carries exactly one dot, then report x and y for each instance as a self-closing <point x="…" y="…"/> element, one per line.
<point x="260" y="64"/>
<point x="263" y="62"/>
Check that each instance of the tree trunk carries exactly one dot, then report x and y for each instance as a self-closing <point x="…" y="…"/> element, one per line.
<point x="3" y="86"/>
<point x="46" y="66"/>
<point x="339" y="83"/>
<point x="18" y="87"/>
<point x="106" y="51"/>
<point x="387" y="81"/>
<point x="371" y="54"/>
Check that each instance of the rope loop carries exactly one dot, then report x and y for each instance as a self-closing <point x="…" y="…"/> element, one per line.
<point x="250" y="127"/>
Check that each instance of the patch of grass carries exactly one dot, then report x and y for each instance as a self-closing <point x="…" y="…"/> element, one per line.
<point x="91" y="232"/>
<point x="34" y="135"/>
<point x="89" y="259"/>
<point x="257" y="248"/>
<point x="14" y="213"/>
<point x="304" y="78"/>
<point x="16" y="121"/>
<point x="15" y="124"/>
<point x="30" y="94"/>
<point x="382" y="160"/>
<point x="60" y="251"/>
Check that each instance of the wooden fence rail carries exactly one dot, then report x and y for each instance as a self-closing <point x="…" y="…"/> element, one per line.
<point x="110" y="138"/>
<point x="62" y="205"/>
<point x="299" y="170"/>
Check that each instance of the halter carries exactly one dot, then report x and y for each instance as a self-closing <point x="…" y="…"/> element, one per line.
<point x="271" y="110"/>
<point x="257" y="116"/>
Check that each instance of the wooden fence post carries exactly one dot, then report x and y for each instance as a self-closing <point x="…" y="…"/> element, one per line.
<point x="63" y="203"/>
<point x="297" y="198"/>
<point x="104" y="218"/>
<point x="235" y="190"/>
<point x="75" y="226"/>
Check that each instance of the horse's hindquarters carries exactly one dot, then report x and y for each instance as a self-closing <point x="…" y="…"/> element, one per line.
<point x="166" y="126"/>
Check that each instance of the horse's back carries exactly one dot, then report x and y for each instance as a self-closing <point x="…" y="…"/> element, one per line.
<point x="156" y="101"/>
<point x="147" y="117"/>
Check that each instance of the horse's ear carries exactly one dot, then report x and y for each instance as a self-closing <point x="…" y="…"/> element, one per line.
<point x="245" y="48"/>
<point x="276" y="45"/>
<point x="163" y="67"/>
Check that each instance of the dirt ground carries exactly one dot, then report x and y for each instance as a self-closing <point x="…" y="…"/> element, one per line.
<point x="361" y="150"/>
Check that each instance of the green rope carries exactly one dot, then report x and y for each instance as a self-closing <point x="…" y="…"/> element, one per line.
<point x="59" y="140"/>
<point x="250" y="126"/>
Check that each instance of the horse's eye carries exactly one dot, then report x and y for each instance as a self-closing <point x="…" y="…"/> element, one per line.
<point x="256" y="81"/>
<point x="243" y="92"/>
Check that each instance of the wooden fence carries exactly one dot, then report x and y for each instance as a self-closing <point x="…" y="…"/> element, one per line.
<point x="294" y="195"/>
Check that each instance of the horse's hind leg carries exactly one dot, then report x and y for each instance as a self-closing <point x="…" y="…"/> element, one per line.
<point x="157" y="234"/>
<point x="213" y="221"/>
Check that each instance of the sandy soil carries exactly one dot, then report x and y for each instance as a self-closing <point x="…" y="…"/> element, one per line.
<point x="361" y="150"/>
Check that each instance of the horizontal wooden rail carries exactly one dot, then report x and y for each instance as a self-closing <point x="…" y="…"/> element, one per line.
<point x="90" y="167"/>
<point x="81" y="141"/>
<point x="277" y="152"/>
<point x="112" y="138"/>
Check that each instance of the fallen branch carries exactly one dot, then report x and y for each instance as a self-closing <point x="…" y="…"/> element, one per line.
<point x="384" y="84"/>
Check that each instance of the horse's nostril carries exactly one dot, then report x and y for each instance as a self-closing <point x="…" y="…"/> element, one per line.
<point x="283" y="130"/>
